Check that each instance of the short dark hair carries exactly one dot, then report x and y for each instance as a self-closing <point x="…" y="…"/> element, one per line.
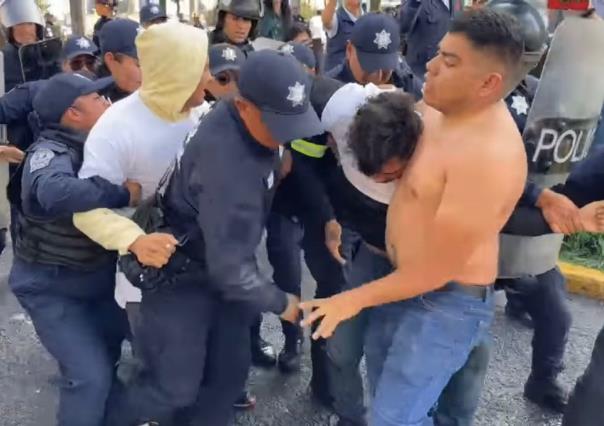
<point x="295" y="29"/>
<point x="494" y="31"/>
<point x="386" y="127"/>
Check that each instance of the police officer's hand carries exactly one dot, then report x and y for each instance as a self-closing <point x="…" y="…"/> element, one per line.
<point x="561" y="213"/>
<point x="135" y="190"/>
<point x="154" y="249"/>
<point x="333" y="240"/>
<point x="11" y="154"/>
<point x="292" y="312"/>
<point x="592" y="217"/>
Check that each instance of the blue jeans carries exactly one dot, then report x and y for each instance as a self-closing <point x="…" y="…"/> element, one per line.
<point x="415" y="347"/>
<point x="79" y="323"/>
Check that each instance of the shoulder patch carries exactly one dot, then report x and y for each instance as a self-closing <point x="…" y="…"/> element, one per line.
<point x="40" y="159"/>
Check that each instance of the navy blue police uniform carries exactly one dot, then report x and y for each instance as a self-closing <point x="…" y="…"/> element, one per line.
<point x="335" y="52"/>
<point x="62" y="279"/>
<point x="542" y="296"/>
<point x="375" y="38"/>
<point x="195" y="328"/>
<point x="423" y="24"/>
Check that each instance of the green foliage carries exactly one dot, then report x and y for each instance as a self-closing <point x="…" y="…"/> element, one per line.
<point x="43" y="5"/>
<point x="584" y="249"/>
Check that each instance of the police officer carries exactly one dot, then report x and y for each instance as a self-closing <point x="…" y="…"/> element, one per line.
<point x="338" y="24"/>
<point x="373" y="56"/>
<point x="106" y="11"/>
<point x="236" y="24"/>
<point x="216" y="204"/>
<point x="225" y="63"/>
<point x="303" y="54"/>
<point x="79" y="53"/>
<point x="423" y="24"/>
<point x="62" y="279"/>
<point x="25" y="26"/>
<point x="542" y="296"/>
<point x="119" y="57"/>
<point x="151" y="14"/>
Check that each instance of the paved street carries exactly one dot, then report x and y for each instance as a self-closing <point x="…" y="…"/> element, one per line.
<point x="28" y="396"/>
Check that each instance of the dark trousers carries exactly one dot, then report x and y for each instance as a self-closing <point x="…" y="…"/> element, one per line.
<point x="79" y="323"/>
<point x="196" y="355"/>
<point x="586" y="401"/>
<point x="283" y="245"/>
<point x="544" y="298"/>
<point x="327" y="272"/>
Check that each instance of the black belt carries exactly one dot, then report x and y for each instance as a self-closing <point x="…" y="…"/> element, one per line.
<point x="478" y="291"/>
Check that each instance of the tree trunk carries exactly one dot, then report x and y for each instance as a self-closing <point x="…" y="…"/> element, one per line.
<point x="78" y="23"/>
<point x="374" y="5"/>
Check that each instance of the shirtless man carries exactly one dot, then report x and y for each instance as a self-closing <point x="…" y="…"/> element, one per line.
<point x="443" y="223"/>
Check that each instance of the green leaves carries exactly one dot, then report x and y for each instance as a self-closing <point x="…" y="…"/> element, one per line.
<point x="584" y="249"/>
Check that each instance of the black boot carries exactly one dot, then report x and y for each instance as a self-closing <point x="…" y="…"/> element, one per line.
<point x="546" y="393"/>
<point x="289" y="358"/>
<point x="263" y="353"/>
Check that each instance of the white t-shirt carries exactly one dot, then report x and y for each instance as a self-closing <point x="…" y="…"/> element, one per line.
<point x="331" y="33"/>
<point x="130" y="142"/>
<point x="337" y="117"/>
<point x="315" y="26"/>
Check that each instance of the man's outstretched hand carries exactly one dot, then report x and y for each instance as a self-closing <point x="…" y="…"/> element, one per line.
<point x="154" y="249"/>
<point x="592" y="217"/>
<point x="561" y="214"/>
<point x="332" y="310"/>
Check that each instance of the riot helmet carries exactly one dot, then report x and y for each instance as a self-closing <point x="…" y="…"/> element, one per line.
<point x="250" y="9"/>
<point x="15" y="12"/>
<point x="534" y="32"/>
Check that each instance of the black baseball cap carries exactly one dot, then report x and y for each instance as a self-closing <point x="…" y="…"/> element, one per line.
<point x="301" y="52"/>
<point x="280" y="88"/>
<point x="118" y="35"/>
<point x="60" y="92"/>
<point x="224" y="56"/>
<point x="377" y="41"/>
<point x="150" y="12"/>
<point x="78" y="45"/>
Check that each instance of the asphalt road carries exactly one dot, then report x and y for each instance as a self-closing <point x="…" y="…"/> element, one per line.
<point x="29" y="398"/>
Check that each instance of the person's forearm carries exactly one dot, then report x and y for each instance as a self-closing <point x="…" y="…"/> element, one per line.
<point x="109" y="229"/>
<point x="328" y="12"/>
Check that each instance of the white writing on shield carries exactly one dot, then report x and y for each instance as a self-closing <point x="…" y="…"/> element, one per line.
<point x="570" y="145"/>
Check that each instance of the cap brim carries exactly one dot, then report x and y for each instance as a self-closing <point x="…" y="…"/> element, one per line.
<point x="224" y="67"/>
<point x="288" y="127"/>
<point x="97" y="85"/>
<point x="78" y="53"/>
<point x="371" y="62"/>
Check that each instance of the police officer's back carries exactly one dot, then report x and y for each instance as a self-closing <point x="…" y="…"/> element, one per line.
<point x="216" y="205"/>
<point x="62" y="279"/>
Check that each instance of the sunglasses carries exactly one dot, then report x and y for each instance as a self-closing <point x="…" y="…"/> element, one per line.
<point x="79" y="63"/>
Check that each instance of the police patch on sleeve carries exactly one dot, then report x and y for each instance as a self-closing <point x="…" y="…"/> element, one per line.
<point x="40" y="159"/>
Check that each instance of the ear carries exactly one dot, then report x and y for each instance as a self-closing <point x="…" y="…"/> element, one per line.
<point x="108" y="58"/>
<point x="349" y="50"/>
<point x="494" y="83"/>
<point x="241" y="104"/>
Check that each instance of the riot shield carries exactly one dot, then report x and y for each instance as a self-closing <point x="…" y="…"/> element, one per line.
<point x="40" y="60"/>
<point x="559" y="132"/>
<point x="263" y="43"/>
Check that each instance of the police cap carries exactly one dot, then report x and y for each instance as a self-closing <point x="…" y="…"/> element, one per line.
<point x="60" y="92"/>
<point x="278" y="86"/>
<point x="376" y="39"/>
